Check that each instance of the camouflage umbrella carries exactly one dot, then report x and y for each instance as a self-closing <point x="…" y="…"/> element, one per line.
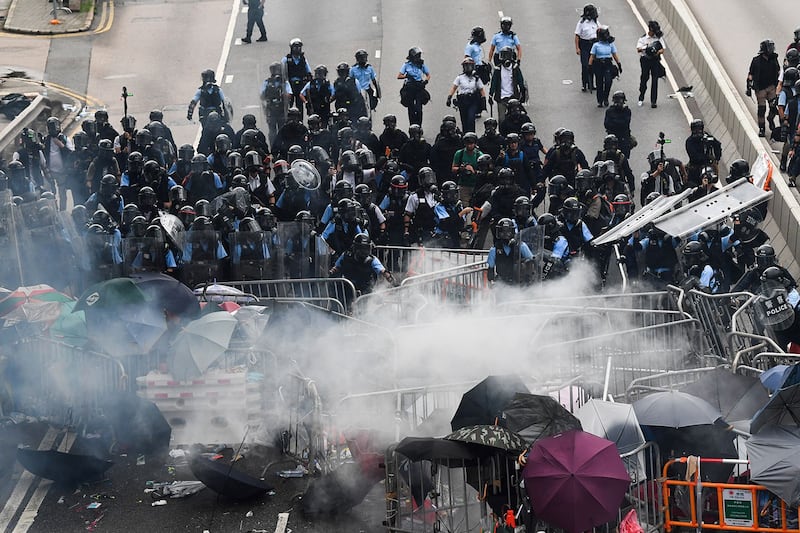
<point x="492" y="436"/>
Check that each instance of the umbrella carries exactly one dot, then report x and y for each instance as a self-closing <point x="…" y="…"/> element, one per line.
<point x="238" y="199"/>
<point x="174" y="229"/>
<point x="534" y="416"/>
<point x="772" y="378"/>
<point x="616" y="422"/>
<point x="35" y="303"/>
<point x="674" y="409"/>
<point x="224" y="480"/>
<point x="212" y="307"/>
<point x="492" y="436"/>
<point x="201" y="343"/>
<point x="783" y="409"/>
<point x="436" y="450"/>
<point x="62" y="467"/>
<point x="575" y="480"/>
<point x="484" y="402"/>
<point x="70" y="326"/>
<point x="138" y="424"/>
<point x="219" y="293"/>
<point x="168" y="293"/>
<point x="111" y="294"/>
<point x="252" y="320"/>
<point x="128" y="330"/>
<point x="775" y="461"/>
<point x="737" y="397"/>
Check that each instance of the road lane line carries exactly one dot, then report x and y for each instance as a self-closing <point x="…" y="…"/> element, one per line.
<point x="499" y="14"/>
<point x="374" y="20"/>
<point x="377" y="54"/>
<point x="24" y="482"/>
<point x="229" y="78"/>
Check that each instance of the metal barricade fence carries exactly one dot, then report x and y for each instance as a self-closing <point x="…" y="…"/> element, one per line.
<point x="60" y="382"/>
<point x="414" y="260"/>
<point x="644" y="493"/>
<point x="332" y="294"/>
<point x="664" y="381"/>
<point x="703" y="505"/>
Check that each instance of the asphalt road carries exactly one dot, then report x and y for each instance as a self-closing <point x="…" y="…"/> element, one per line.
<point x="158" y="49"/>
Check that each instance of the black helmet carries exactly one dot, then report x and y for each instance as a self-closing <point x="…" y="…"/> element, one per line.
<point x="557" y="185"/>
<point x="484" y="162"/>
<point x="414" y="54"/>
<point x="346" y="208"/>
<point x="234" y="160"/>
<point x="589" y="12"/>
<point x="505" y="24"/>
<point x="320" y="72"/>
<point x="101" y="116"/>
<point x="697" y="126"/>
<point x="152" y="171"/>
<point x="265" y="218"/>
<point x="156" y="116"/>
<point x="363" y="124"/>
<point x="571" y="210"/>
<point x="514" y="106"/>
<point x="550" y="224"/>
<point x="177" y="195"/>
<point x="208" y="76"/>
<point x="740" y="168"/>
<point x="102" y="218"/>
<point x="349" y="161"/>
<point x="199" y="163"/>
<point x="603" y="34"/>
<point x="343" y="69"/>
<point x="135" y="163"/>
<point x="528" y="127"/>
<point x="390" y="121"/>
<point x="610" y="142"/>
<point x="478" y="35"/>
<point x="765" y="256"/>
<point x="767" y="46"/>
<point x="53" y="126"/>
<point x="186" y="152"/>
<point x="314" y="122"/>
<point x="147" y="197"/>
<point x="108" y="185"/>
<point x="222" y="143"/>
<point x="566" y="138"/>
<point x="344" y="135"/>
<point x="342" y="190"/>
<point x="362" y="247"/>
<point x="144" y="138"/>
<point x="239" y="180"/>
<point x="490" y="125"/>
<point x="365" y="158"/>
<point x="584" y="180"/>
<point x="450" y="192"/>
<point x="79" y="215"/>
<point x="398" y="186"/>
<point x="202" y="223"/>
<point x="618" y="98"/>
<point x="105" y="146"/>
<point x="293" y="114"/>
<point x="792" y="57"/>
<point x="652" y="197"/>
<point x="522" y="207"/>
<point x="507" y="55"/>
<point x="512" y="138"/>
<point x="426" y="177"/>
<point x="252" y="159"/>
<point x="362" y="57"/>
<point x="790" y="76"/>
<point x="363" y="194"/>
<point x="505" y="229"/>
<point x="505" y="177"/>
<point x="622" y="204"/>
<point x="470" y="138"/>
<point x="249" y="224"/>
<point x="128" y="123"/>
<point x="415" y="132"/>
<point x="709" y="174"/>
<point x="748" y="220"/>
<point x="468" y="65"/>
<point x="203" y="208"/>
<point x="138" y="226"/>
<point x="89" y="126"/>
<point x="694" y="253"/>
<point x="305" y="216"/>
<point x="295" y="152"/>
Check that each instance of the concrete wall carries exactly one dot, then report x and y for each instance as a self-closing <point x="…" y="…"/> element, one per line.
<point x="726" y="116"/>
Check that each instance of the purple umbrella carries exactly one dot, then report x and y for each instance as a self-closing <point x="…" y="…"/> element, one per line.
<point x="575" y="480"/>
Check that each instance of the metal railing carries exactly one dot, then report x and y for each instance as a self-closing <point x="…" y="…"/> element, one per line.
<point x="414" y="260"/>
<point x="332" y="294"/>
<point x="664" y="381"/>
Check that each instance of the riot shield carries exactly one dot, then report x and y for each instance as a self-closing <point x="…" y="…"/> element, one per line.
<point x="202" y="257"/>
<point x="103" y="253"/>
<point x="75" y="247"/>
<point x="142" y="254"/>
<point x="531" y="271"/>
<point x="252" y="254"/>
<point x="773" y="308"/>
<point x="42" y="245"/>
<point x="294" y="260"/>
<point x="11" y="230"/>
<point x="322" y="258"/>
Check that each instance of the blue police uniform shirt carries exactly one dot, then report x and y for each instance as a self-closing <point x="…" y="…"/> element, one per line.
<point x="440" y="212"/>
<point x="475" y="51"/>
<point x="793" y="297"/>
<point x="603" y="50"/>
<point x="414" y="72"/>
<point x="363" y="76"/>
<point x="516" y="225"/>
<point x="169" y="260"/>
<point x="199" y="93"/>
<point x="297" y="61"/>
<point x="286" y="87"/>
<point x="524" y="253"/>
<point x="501" y="40"/>
<point x="110" y="208"/>
<point x="331" y="227"/>
<point x="327" y="215"/>
<point x="282" y="199"/>
<point x="307" y="87"/>
<point x="587" y="235"/>
<point x="116" y="247"/>
<point x="560" y="249"/>
<point x="708" y="279"/>
<point x="376" y="265"/>
<point x="236" y="255"/>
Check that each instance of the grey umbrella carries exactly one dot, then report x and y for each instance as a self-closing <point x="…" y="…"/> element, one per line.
<point x="616" y="422"/>
<point x="200" y="344"/>
<point x="737" y="397"/>
<point x="775" y="461"/>
<point x="783" y="409"/>
<point x="674" y="409"/>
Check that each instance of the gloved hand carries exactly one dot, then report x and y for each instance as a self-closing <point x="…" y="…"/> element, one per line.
<point x="188" y="116"/>
<point x="748" y="92"/>
<point x="406" y="239"/>
<point x="449" y="100"/>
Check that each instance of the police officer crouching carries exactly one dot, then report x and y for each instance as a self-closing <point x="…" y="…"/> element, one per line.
<point x="508" y="259"/>
<point x="360" y="267"/>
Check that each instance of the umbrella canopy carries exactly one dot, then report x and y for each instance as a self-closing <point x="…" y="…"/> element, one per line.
<point x="575" y="480"/>
<point x="775" y="461"/>
<point x="436" y="450"/>
<point x="213" y="307"/>
<point x="201" y="343"/>
<point x="252" y="321"/>
<point x="783" y="409"/>
<point x="174" y="229"/>
<point x="168" y="293"/>
<point x="675" y="410"/>
<point x="62" y="467"/>
<point x="70" y="326"/>
<point x="491" y="436"/>
<point x="736" y="397"/>
<point x="484" y="402"/>
<point x="224" y="480"/>
<point x="111" y="294"/>
<point x="772" y="378"/>
<point x="616" y="422"/>
<point x="138" y="424"/>
<point x="534" y="416"/>
<point x="127" y="330"/>
<point x="35" y="303"/>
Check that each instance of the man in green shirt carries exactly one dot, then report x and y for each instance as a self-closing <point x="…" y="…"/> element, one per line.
<point x="465" y="162"/>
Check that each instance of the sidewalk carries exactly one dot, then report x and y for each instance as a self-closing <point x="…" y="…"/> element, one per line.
<point x="34" y="17"/>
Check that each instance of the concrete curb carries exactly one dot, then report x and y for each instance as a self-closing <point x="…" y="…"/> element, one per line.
<point x="14" y="128"/>
<point x="54" y="30"/>
<point x="727" y="117"/>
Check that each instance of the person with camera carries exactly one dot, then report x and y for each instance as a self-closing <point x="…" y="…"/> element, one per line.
<point x="703" y="149"/>
<point x="600" y="56"/>
<point x="763" y="79"/>
<point x="650" y="47"/>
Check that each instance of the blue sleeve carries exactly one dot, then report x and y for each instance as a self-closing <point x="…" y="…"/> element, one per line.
<point x="187" y="252"/>
<point x="404" y="69"/>
<point x="279" y="203"/>
<point x="593" y="51"/>
<point x="332" y="88"/>
<point x="525" y="252"/>
<point x="327" y="215"/>
<point x="120" y="207"/>
<point x="265" y="251"/>
<point x="196" y="96"/>
<point x="306" y="87"/>
<point x="171" y="182"/>
<point x="221" y="94"/>
<point x="377" y="266"/>
<point x="328" y="230"/>
<point x="263" y="87"/>
<point x="116" y="246"/>
<point x="352" y="72"/>
<point x="169" y="259"/>
<point x="496" y="40"/>
<point x="287" y="88"/>
<point x="218" y="181"/>
<point x="492" y="257"/>
<point x="441" y="212"/>
<point x="236" y="254"/>
<point x="283" y="60"/>
<point x="125" y="180"/>
<point x="425" y="69"/>
<point x="613" y="48"/>
<point x="221" y="253"/>
<point x="560" y="248"/>
<point x="516" y="40"/>
<point x="587" y="235"/>
<point x="706" y="276"/>
<point x="384" y="203"/>
<point x="339" y="261"/>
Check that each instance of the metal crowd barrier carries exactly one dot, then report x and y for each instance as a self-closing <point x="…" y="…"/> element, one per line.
<point x="644" y="493"/>
<point x="414" y="260"/>
<point x="332" y="294"/>
<point x="664" y="381"/>
<point x="62" y="383"/>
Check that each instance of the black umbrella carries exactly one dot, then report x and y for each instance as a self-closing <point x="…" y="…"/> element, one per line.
<point x="168" y="293"/>
<point x="534" y="416"/>
<point x="484" y="402"/>
<point x="775" y="461"/>
<point x="223" y="479"/>
<point x="62" y="467"/>
<point x="238" y="199"/>
<point x="783" y="409"/>
<point x="437" y="450"/>
<point x="138" y="424"/>
<point x="336" y="492"/>
<point x="737" y="397"/>
<point x="703" y="441"/>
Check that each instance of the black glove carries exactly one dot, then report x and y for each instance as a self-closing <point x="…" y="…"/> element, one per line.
<point x="619" y="66"/>
<point x="483" y="104"/>
<point x="749" y="90"/>
<point x="449" y="100"/>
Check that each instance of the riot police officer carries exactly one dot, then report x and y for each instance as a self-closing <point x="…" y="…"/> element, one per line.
<point x="318" y="94"/>
<point x="763" y="79"/>
<point x="298" y="72"/>
<point x="366" y="79"/>
<point x="416" y="76"/>
<point x="360" y="267"/>
<point x="703" y="150"/>
<point x="275" y="94"/>
<point x="420" y="208"/>
<point x="508" y="259"/>
<point x="618" y="122"/>
<point x="210" y="97"/>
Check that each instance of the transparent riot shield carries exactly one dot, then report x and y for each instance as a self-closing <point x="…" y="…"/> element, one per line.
<point x="103" y="254"/>
<point x="294" y="260"/>
<point x="75" y="248"/>
<point x="143" y="254"/>
<point x="11" y="230"/>
<point x="321" y="258"/>
<point x="203" y="254"/>
<point x="530" y="271"/>
<point x="252" y="255"/>
<point x="42" y="245"/>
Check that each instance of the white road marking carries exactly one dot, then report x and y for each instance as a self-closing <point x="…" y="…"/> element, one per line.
<point x="374" y="20"/>
<point x="377" y="54"/>
<point x="245" y="9"/>
<point x="283" y="521"/>
<point x="499" y="14"/>
<point x="237" y="42"/>
<point x="119" y="76"/>
<point x="229" y="78"/>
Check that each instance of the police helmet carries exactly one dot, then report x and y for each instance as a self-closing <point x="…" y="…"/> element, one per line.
<point x="152" y="170"/>
<point x="390" y="121"/>
<point x="514" y="106"/>
<point x="222" y="143"/>
<point x="398" y="186"/>
<point x="295" y="152"/>
<point x="505" y="177"/>
<point x="280" y="167"/>
<point x="275" y="68"/>
<point x="265" y="218"/>
<point x="740" y="168"/>
<point x="505" y="24"/>
<point x="490" y="125"/>
<point x="512" y="138"/>
<point x="470" y="138"/>
<point x="478" y="35"/>
<point x="53" y="126"/>
<point x="96" y="229"/>
<point x="414" y="54"/>
<point x="361" y="56"/>
<point x="203" y="208"/>
<point x="79" y="215"/>
<point x="528" y="127"/>
<point x="249" y="224"/>
<point x="344" y="135"/>
<point x="144" y="138"/>
<point x="296" y="45"/>
<point x="320" y="72"/>
<point x="505" y="229"/>
<point x="147" y="197"/>
<point x="342" y="190"/>
<point x="177" y="195"/>
<point x="622" y="204"/>
<point x="208" y="76"/>
<point x="776" y="274"/>
<point x="293" y="114"/>
<point x="415" y="132"/>
<point x="571" y="210"/>
<point x="426" y="177"/>
<point x="584" y="180"/>
<point x="199" y="163"/>
<point x="102" y="218"/>
<point x="108" y="185"/>
<point x="765" y="256"/>
<point x="135" y="163"/>
<point x="349" y="161"/>
<point x="566" y="138"/>
<point x="363" y="124"/>
<point x="361" y="247"/>
<point x="249" y="138"/>
<point x="186" y="152"/>
<point x="156" y="115"/>
<point x="450" y="192"/>
<point x="346" y="209"/>
<point x="202" y="223"/>
<point x="550" y="224"/>
<point x="610" y="142"/>
<point x="748" y="220"/>
<point x="105" y="146"/>
<point x="792" y="57"/>
<point x="366" y="158"/>
<point x="128" y="123"/>
<point x="239" y="180"/>
<point x="603" y="34"/>
<point x="767" y="46"/>
<point x="709" y="174"/>
<point x="314" y="122"/>
<point x="305" y="216"/>
<point x="89" y="126"/>
<point x="522" y="207"/>
<point x="697" y="126"/>
<point x="791" y="75"/>
<point x="652" y="197"/>
<point x="618" y="99"/>
<point x="101" y="116"/>
<point x="468" y="65"/>
<point x="694" y="253"/>
<point x="343" y="69"/>
<point x="484" y="162"/>
<point x="363" y="194"/>
<point x="589" y="12"/>
<point x="234" y="160"/>
<point x="252" y="159"/>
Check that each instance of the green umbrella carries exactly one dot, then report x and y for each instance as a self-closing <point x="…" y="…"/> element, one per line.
<point x="70" y="327"/>
<point x="110" y="294"/>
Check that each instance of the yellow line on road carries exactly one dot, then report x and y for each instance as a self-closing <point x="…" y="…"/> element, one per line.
<point x="106" y="21"/>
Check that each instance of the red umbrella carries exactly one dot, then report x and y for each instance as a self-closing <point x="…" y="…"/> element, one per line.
<point x="575" y="480"/>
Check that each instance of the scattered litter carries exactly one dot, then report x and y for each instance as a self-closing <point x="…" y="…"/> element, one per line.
<point x="93" y="524"/>
<point x="249" y="514"/>
<point x="94" y="505"/>
<point x="271" y="493"/>
<point x="174" y="489"/>
<point x="300" y="471"/>
<point x="61" y="499"/>
<point x="140" y="460"/>
<point x="176" y="453"/>
<point x="158" y="503"/>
